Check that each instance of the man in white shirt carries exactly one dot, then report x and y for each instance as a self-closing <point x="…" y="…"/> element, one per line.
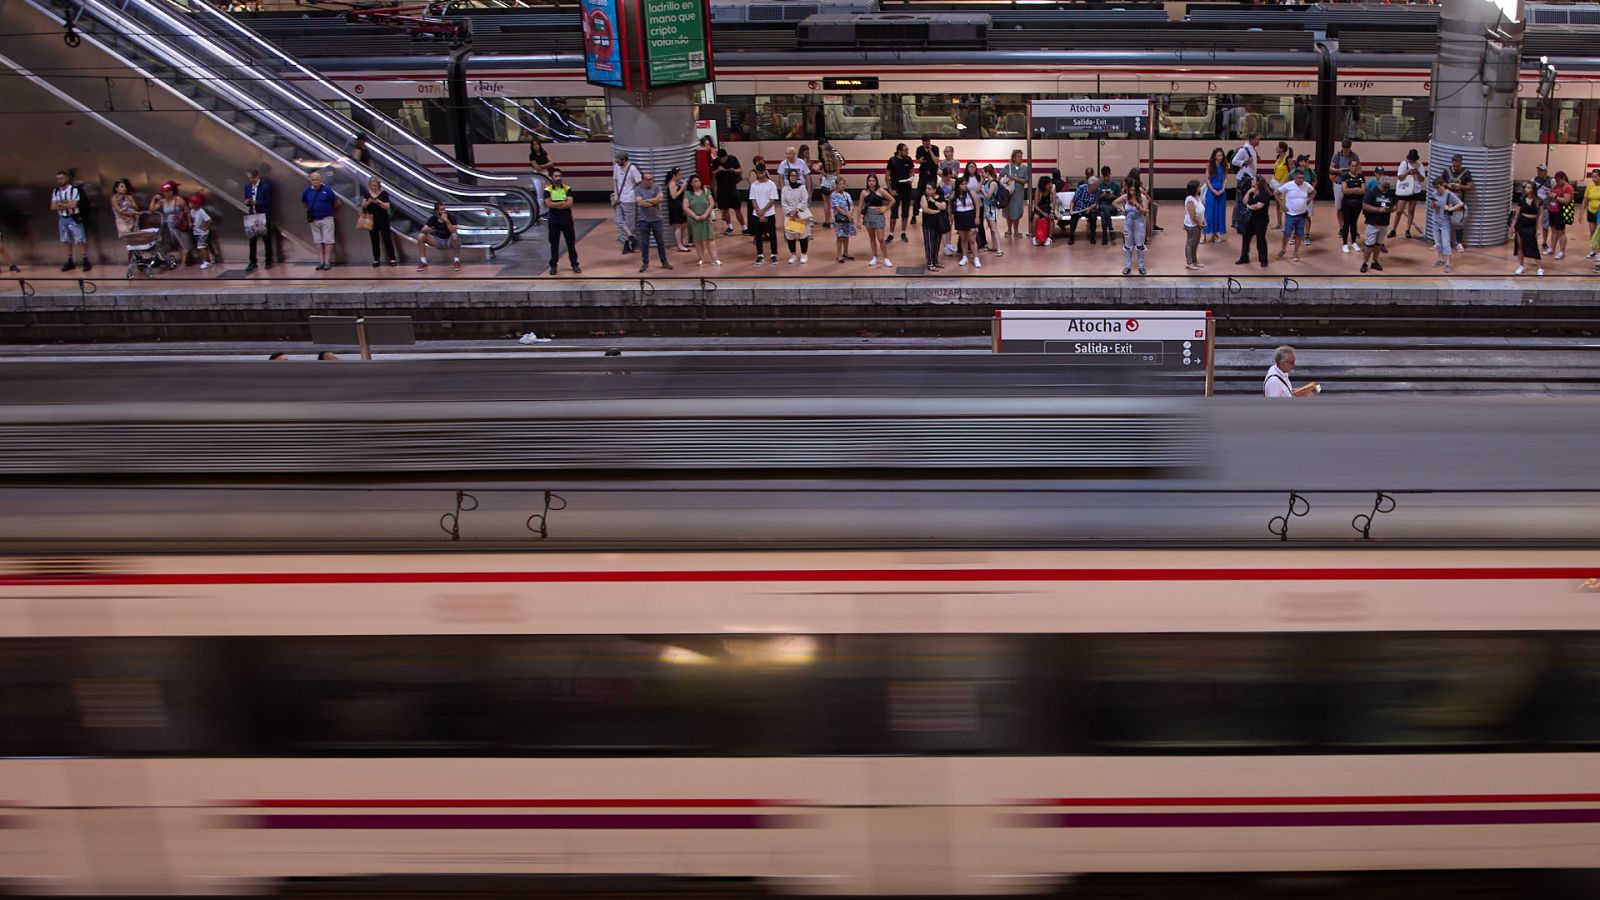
<point x="1296" y="206"/>
<point x="64" y="202"/>
<point x="1247" y="160"/>
<point x="792" y="163"/>
<point x="764" y="203"/>
<point x="1277" y="381"/>
<point x="624" y="178"/>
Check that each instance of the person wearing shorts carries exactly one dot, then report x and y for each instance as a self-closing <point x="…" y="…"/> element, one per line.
<point x="64" y="202"/>
<point x="1378" y="204"/>
<point x="321" y="203"/>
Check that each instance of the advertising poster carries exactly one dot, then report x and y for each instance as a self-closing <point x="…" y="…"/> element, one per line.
<point x="602" y="43"/>
<point x="676" y="49"/>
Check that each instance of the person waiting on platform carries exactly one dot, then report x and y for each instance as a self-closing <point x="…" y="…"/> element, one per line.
<point x="439" y="231"/>
<point x="1296" y="195"/>
<point x="1527" y="210"/>
<point x="1445" y="210"/>
<point x="795" y="198"/>
<point x="1378" y="204"/>
<point x="1251" y="217"/>
<point x="875" y="198"/>
<point x="1135" y="206"/>
<point x="1277" y="383"/>
<point x="1461" y="185"/>
<point x="964" y="207"/>
<point x="842" y="212"/>
<point x="1353" y="188"/>
<point x="1043" y="211"/>
<point x="763" y="213"/>
<point x="934" y="225"/>
<point x="699" y="207"/>
<point x="1591" y="205"/>
<point x="321" y="203"/>
<point x="1085" y="202"/>
<point x="649" y="222"/>
<point x="1194" y="223"/>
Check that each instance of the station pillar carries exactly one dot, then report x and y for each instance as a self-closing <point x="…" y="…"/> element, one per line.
<point x="655" y="128"/>
<point x="1474" y="97"/>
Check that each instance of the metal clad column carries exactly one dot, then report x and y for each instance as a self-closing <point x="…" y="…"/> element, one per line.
<point x="1474" y="110"/>
<point x="655" y="129"/>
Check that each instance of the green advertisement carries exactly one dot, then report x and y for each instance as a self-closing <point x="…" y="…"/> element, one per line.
<point x="675" y="41"/>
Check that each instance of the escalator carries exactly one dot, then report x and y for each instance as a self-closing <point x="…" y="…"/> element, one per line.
<point x="206" y="107"/>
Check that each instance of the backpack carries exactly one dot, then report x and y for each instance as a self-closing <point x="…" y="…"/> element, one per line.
<point x="1241" y="215"/>
<point x="1002" y="195"/>
<point x="81" y="214"/>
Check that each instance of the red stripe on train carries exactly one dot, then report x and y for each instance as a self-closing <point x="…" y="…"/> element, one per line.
<point x="1442" y="573"/>
<point x="481" y="803"/>
<point x="1357" y="800"/>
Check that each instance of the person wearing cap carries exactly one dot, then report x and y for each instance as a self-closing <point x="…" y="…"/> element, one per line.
<point x="1542" y="183"/>
<point x="1277" y="383"/>
<point x="1410" y="186"/>
<point x="1338" y="167"/>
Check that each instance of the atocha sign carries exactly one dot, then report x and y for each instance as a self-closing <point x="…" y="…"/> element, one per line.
<point x="1155" y="338"/>
<point x="1052" y="118"/>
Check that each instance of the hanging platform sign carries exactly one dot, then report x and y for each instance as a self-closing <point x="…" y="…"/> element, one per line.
<point x="1060" y="118"/>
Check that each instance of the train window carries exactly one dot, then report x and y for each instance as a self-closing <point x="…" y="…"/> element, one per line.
<point x="1194" y="692"/>
<point x="950" y="693"/>
<point x="149" y="696"/>
<point x="853" y="117"/>
<point x="1188" y="116"/>
<point x="689" y="694"/>
<point x="512" y="120"/>
<point x="373" y="695"/>
<point x="1571" y="711"/>
<point x="1386" y="119"/>
<point x="35" y="700"/>
<point x="914" y="116"/>
<point x="1564" y="121"/>
<point x="789" y="117"/>
<point x="1399" y="690"/>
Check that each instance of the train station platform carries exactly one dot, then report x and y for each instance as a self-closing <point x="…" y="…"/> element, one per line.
<point x="512" y="294"/>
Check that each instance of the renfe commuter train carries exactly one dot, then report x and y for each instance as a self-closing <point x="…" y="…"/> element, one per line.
<point x="977" y="102"/>
<point x="932" y="722"/>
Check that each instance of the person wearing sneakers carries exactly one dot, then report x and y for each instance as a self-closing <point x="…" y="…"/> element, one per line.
<point x="200" y="227"/>
<point x="964" y="207"/>
<point x="1135" y="206"/>
<point x="1562" y="211"/>
<point x="1528" y="208"/>
<point x="899" y="170"/>
<point x="650" y="222"/>
<point x="439" y="231"/>
<point x="1591" y="203"/>
<point x="875" y="198"/>
<point x="795" y="198"/>
<point x="1445" y="210"/>
<point x="1194" y="223"/>
<point x="764" y="209"/>
<point x="64" y="202"/>
<point x="1296" y="201"/>
<point x="558" y="219"/>
<point x="321" y="203"/>
<point x="1378" y="204"/>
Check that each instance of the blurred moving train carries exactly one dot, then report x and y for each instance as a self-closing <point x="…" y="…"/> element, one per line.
<point x="823" y="723"/>
<point x="180" y="718"/>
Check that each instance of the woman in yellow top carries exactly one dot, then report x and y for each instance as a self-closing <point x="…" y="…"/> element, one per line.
<point x="1591" y="202"/>
<point x="1280" y="175"/>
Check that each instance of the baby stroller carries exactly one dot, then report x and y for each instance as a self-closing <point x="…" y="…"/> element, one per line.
<point x="145" y="252"/>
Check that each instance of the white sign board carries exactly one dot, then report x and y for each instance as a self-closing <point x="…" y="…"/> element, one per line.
<point x="1063" y="117"/>
<point x="1161" y="338"/>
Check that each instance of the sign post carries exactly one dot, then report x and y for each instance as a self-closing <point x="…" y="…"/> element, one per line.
<point x="1183" y="340"/>
<point x="363" y="331"/>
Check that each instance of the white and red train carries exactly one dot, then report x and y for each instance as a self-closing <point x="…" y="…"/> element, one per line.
<point x="976" y="103"/>
<point x="930" y="722"/>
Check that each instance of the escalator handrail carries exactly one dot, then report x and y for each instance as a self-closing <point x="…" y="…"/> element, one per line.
<point x="180" y="62"/>
<point x="297" y="100"/>
<point x="265" y="47"/>
<point x="260" y="46"/>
